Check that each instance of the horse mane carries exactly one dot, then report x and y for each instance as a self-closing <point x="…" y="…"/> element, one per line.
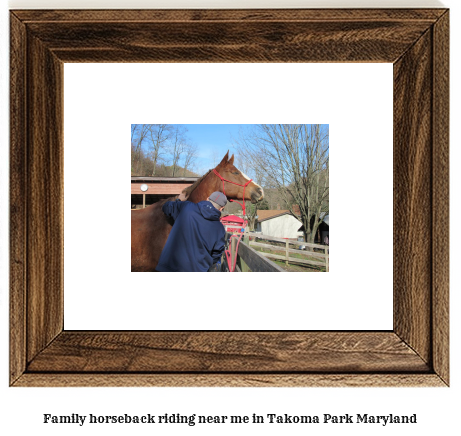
<point x="189" y="189"/>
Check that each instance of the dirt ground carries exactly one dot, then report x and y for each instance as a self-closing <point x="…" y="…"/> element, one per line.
<point x="297" y="268"/>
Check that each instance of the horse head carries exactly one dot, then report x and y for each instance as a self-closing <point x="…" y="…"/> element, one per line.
<point x="236" y="184"/>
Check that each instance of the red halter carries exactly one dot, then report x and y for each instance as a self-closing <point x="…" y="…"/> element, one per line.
<point x="234" y="183"/>
<point x="233" y="262"/>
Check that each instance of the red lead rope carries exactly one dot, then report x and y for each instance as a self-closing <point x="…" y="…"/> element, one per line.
<point x="232" y="262"/>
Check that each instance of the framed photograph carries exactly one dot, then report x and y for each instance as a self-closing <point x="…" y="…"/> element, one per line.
<point x="415" y="352"/>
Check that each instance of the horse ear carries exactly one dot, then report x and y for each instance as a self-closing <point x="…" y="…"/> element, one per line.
<point x="231" y="160"/>
<point x="225" y="159"/>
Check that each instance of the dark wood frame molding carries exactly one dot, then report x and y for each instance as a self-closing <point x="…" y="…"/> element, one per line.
<point x="414" y="353"/>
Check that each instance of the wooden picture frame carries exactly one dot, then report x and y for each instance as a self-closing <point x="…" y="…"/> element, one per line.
<point x="414" y="353"/>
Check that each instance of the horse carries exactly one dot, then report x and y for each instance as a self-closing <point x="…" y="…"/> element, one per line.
<point x="150" y="227"/>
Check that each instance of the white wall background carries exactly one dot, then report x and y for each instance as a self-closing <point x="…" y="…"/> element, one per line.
<point x="102" y="100"/>
<point x="438" y="411"/>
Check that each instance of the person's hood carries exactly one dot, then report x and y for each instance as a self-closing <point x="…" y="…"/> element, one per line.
<point x="208" y="211"/>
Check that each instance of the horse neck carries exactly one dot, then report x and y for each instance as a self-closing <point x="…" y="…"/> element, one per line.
<point x="209" y="184"/>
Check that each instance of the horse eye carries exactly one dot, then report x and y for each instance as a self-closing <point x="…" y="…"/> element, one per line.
<point x="235" y="172"/>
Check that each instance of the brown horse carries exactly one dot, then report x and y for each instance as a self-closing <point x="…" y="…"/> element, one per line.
<point x="150" y="227"/>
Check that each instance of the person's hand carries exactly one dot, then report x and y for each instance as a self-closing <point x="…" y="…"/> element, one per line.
<point x="216" y="267"/>
<point x="182" y="197"/>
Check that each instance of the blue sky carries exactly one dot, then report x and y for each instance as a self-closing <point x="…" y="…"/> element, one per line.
<point x="213" y="141"/>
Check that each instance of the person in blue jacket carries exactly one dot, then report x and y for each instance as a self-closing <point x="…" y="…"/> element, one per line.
<point x="196" y="241"/>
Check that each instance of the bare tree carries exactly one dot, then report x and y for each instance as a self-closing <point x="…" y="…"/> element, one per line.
<point x="159" y="134"/>
<point x="139" y="133"/>
<point x="295" y="161"/>
<point x="177" y="145"/>
<point x="161" y="149"/>
<point x="156" y="148"/>
<point x="134" y="129"/>
<point x="190" y="154"/>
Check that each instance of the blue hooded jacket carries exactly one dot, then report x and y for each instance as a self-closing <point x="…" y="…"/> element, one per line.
<point x="197" y="238"/>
